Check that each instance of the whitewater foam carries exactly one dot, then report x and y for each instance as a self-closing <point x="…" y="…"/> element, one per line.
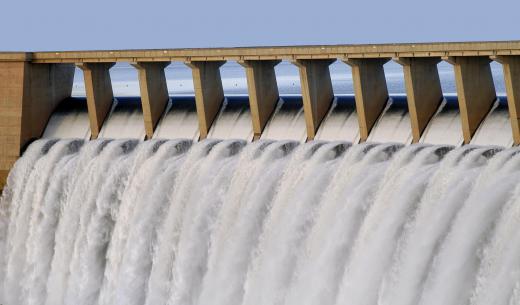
<point x="270" y="222"/>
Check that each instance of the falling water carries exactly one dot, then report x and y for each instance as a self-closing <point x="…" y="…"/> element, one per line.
<point x="445" y="193"/>
<point x="125" y="120"/>
<point x="287" y="122"/>
<point x="240" y="223"/>
<point x="307" y="175"/>
<point x="233" y="121"/>
<point x="270" y="222"/>
<point x="345" y="203"/>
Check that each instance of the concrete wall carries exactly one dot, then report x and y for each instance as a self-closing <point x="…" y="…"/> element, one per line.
<point x="475" y="90"/>
<point x="28" y="95"/>
<point x="209" y="94"/>
<point x="511" y="65"/>
<point x="154" y="93"/>
<point x="263" y="91"/>
<point x="423" y="89"/>
<point x="98" y="87"/>
<point x="317" y="92"/>
<point x="370" y="90"/>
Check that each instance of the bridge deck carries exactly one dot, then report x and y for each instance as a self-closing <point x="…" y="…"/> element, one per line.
<point x="443" y="49"/>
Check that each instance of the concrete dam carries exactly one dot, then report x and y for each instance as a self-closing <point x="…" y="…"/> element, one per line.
<point x="293" y="192"/>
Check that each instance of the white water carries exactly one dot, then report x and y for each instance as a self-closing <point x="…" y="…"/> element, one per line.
<point x="179" y="122"/>
<point x="232" y="122"/>
<point x="123" y="122"/>
<point x="70" y="124"/>
<point x="340" y="124"/>
<point x="495" y="129"/>
<point x="271" y="222"/>
<point x="286" y="123"/>
<point x="445" y="127"/>
<point x="392" y="126"/>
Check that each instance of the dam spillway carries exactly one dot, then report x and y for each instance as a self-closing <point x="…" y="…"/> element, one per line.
<point x="290" y="192"/>
<point x="32" y="84"/>
<point x="270" y="222"/>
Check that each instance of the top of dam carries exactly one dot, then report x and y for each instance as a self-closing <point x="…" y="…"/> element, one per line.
<point x="34" y="84"/>
<point x="437" y="49"/>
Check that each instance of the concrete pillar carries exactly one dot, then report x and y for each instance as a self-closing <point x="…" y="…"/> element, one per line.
<point x="29" y="94"/>
<point x="511" y="66"/>
<point x="209" y="93"/>
<point x="154" y="93"/>
<point x="263" y="91"/>
<point x="370" y="90"/>
<point x="475" y="90"/>
<point x="100" y="96"/>
<point x="423" y="91"/>
<point x="317" y="91"/>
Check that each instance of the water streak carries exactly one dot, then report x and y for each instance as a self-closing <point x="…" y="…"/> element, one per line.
<point x="271" y="222"/>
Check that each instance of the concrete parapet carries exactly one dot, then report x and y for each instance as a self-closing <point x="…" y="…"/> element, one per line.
<point x="317" y="91"/>
<point x="28" y="95"/>
<point x="475" y="90"/>
<point x="511" y="66"/>
<point x="370" y="90"/>
<point x="436" y="49"/>
<point x="209" y="93"/>
<point x="423" y="91"/>
<point x="263" y="91"/>
<point x="100" y="96"/>
<point x="154" y="93"/>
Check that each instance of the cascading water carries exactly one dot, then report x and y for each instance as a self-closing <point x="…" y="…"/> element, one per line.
<point x="271" y="222"/>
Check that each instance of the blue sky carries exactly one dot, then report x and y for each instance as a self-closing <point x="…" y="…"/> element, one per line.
<point x="33" y="25"/>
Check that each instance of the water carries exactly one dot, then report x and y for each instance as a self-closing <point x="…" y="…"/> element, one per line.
<point x="270" y="222"/>
<point x="124" y="121"/>
<point x="69" y="121"/>
<point x="308" y="173"/>
<point x="179" y="121"/>
<point x="233" y="121"/>
<point x="287" y="121"/>
<point x="341" y="123"/>
<point x="393" y="124"/>
<point x="445" y="126"/>
<point x="496" y="128"/>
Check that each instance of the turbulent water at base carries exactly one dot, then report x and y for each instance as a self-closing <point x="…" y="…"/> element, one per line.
<point x="266" y="223"/>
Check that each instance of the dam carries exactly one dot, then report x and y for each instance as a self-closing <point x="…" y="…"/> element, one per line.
<point x="291" y="192"/>
<point x="33" y="84"/>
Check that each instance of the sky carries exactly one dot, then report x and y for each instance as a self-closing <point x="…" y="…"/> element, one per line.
<point x="59" y="25"/>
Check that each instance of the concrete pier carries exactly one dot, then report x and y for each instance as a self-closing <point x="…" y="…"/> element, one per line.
<point x="209" y="94"/>
<point x="317" y="91"/>
<point x="263" y="91"/>
<point x="100" y="96"/>
<point x="33" y="83"/>
<point x="511" y="66"/>
<point x="370" y="90"/>
<point x="28" y="95"/>
<point x="423" y="90"/>
<point x="154" y="93"/>
<point x="475" y="90"/>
